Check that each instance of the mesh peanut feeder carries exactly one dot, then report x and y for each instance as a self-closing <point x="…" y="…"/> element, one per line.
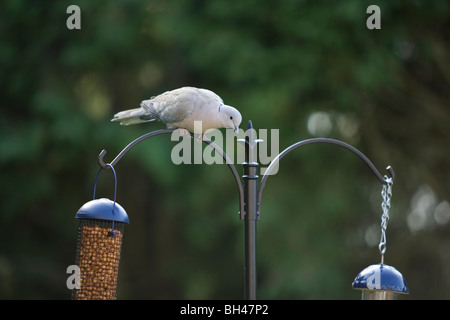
<point x="100" y="236"/>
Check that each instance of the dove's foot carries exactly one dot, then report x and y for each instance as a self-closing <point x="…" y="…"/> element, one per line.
<point x="199" y="137"/>
<point x="183" y="132"/>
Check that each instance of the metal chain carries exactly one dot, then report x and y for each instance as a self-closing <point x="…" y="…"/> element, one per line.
<point x="386" y="194"/>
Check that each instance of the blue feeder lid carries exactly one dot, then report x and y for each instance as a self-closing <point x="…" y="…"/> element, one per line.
<point x="102" y="209"/>
<point x="381" y="277"/>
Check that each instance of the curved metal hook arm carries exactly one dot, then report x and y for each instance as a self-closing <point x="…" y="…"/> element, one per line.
<point x="164" y="131"/>
<point x="129" y="146"/>
<point x="320" y="140"/>
<point x="233" y="171"/>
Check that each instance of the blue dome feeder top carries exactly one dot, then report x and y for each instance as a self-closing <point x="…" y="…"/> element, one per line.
<point x="103" y="209"/>
<point x="380" y="281"/>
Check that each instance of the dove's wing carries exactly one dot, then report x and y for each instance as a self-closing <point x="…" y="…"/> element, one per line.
<point x="176" y="105"/>
<point x="202" y="105"/>
<point x="168" y="107"/>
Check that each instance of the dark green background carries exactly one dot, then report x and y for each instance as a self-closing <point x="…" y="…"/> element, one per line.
<point x="282" y="64"/>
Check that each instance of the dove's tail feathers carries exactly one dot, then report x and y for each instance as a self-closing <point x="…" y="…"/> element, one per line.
<point x="134" y="116"/>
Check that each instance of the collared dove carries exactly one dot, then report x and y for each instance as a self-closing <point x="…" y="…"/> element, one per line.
<point x="179" y="108"/>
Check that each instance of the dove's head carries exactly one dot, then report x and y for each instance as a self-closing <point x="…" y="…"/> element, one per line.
<point x="230" y="117"/>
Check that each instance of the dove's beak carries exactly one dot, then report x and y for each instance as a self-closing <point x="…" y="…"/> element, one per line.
<point x="236" y="129"/>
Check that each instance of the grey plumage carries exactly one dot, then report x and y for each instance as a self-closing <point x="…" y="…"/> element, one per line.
<point x="179" y="108"/>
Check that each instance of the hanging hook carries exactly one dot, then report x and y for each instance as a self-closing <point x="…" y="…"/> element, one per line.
<point x="115" y="182"/>
<point x="112" y="233"/>
<point x="391" y="173"/>
<point x="100" y="159"/>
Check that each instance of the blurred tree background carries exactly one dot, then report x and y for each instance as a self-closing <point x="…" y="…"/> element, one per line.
<point x="307" y="68"/>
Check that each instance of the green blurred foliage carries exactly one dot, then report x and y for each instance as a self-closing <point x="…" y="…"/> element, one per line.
<point x="307" y="68"/>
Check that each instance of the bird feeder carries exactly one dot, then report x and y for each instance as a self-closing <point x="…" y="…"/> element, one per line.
<point x="100" y="236"/>
<point x="381" y="281"/>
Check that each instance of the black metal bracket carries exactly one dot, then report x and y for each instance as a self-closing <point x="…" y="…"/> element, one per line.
<point x="250" y="193"/>
<point x="299" y="144"/>
<point x="228" y="161"/>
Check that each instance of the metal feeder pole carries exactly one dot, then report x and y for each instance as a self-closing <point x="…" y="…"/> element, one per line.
<point x="250" y="178"/>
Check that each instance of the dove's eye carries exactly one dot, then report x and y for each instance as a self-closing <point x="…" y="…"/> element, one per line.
<point x="231" y="117"/>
